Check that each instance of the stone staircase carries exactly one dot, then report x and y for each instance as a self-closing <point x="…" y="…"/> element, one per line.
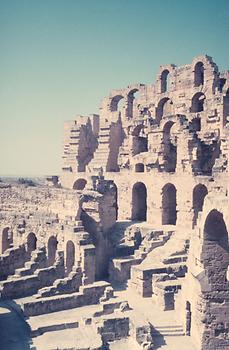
<point x="26" y="285"/>
<point x="102" y="152"/>
<point x="38" y="260"/>
<point x="119" y="269"/>
<point x="69" y="284"/>
<point x="168" y="331"/>
<point x="75" y="158"/>
<point x="12" y="259"/>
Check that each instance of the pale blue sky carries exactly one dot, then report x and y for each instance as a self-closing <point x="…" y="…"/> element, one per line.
<point x="60" y="57"/>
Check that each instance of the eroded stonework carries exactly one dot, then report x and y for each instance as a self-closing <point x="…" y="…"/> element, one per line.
<point x="136" y="224"/>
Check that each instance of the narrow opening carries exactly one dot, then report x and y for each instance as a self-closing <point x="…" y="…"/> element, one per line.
<point x="139" y="202"/>
<point x="169" y="212"/>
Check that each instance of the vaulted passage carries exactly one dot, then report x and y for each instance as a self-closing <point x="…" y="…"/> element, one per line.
<point x="199" y="74"/>
<point x="215" y="248"/>
<point x="169" y="203"/>
<point x="199" y="193"/>
<point x="70" y="256"/>
<point x="52" y="247"/>
<point x="198" y="102"/>
<point x="215" y="229"/>
<point x="139" y="202"/>
<point x="170" y="148"/>
<point x="31" y="242"/>
<point x="79" y="184"/>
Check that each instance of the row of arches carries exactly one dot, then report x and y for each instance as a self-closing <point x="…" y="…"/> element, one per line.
<point x="165" y="105"/>
<point x="125" y="104"/>
<point x="198" y="77"/>
<point x="169" y="202"/>
<point x="31" y="245"/>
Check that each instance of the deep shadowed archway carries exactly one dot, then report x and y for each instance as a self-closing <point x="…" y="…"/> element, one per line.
<point x="31" y="242"/>
<point x="139" y="202"/>
<point x="70" y="256"/>
<point x="169" y="202"/>
<point x="52" y="247"/>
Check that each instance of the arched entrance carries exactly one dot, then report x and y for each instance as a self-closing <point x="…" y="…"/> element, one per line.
<point x="70" y="256"/>
<point x="139" y="202"/>
<point x="79" y="184"/>
<point x="215" y="248"/>
<point x="165" y="107"/>
<point x="199" y="74"/>
<point x="199" y="193"/>
<point x="169" y="203"/>
<point x="169" y="148"/>
<point x="52" y="247"/>
<point x="165" y="81"/>
<point x="198" y="102"/>
<point x="31" y="242"/>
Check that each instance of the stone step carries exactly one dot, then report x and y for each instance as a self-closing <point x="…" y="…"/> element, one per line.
<point x="168" y="331"/>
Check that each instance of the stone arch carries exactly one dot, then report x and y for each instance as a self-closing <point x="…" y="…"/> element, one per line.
<point x="79" y="184"/>
<point x="226" y="107"/>
<point x="139" y="168"/>
<point x="52" y="248"/>
<point x="165" y="81"/>
<point x="139" y="139"/>
<point x="31" y="242"/>
<point x="215" y="228"/>
<point x="199" y="193"/>
<point x="139" y="202"/>
<point x="169" y="205"/>
<point x="70" y="256"/>
<point x="169" y="147"/>
<point x="198" y="102"/>
<point x="7" y="239"/>
<point x="115" y="103"/>
<point x="214" y="258"/>
<point x="199" y="74"/>
<point x="165" y="107"/>
<point x="131" y="98"/>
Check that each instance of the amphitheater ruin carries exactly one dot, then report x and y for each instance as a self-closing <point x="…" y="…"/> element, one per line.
<point x="128" y="247"/>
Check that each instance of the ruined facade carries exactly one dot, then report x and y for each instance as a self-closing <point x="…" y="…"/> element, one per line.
<point x="142" y="202"/>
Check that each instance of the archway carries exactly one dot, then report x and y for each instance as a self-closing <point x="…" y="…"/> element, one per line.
<point x="70" y="256"/>
<point x="79" y="184"/>
<point x="31" y="242"/>
<point x="170" y="148"/>
<point x="165" y="107"/>
<point x="169" y="211"/>
<point x="215" y="260"/>
<point x="131" y="102"/>
<point x="199" y="193"/>
<point x="118" y="105"/>
<point x="165" y="81"/>
<point x="52" y="247"/>
<point x="198" y="102"/>
<point x="199" y="74"/>
<point x="215" y="229"/>
<point x="139" y="202"/>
